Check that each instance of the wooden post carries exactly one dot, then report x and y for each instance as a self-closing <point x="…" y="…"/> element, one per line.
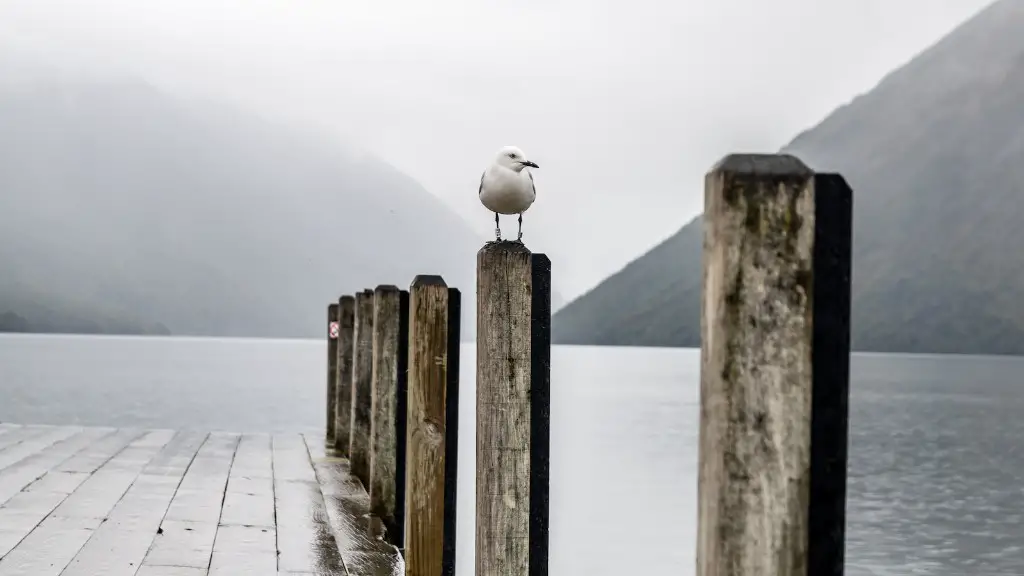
<point x="332" y="369"/>
<point x="362" y="371"/>
<point x="513" y="380"/>
<point x="775" y="351"/>
<point x="432" y="432"/>
<point x="343" y="402"/>
<point x="388" y="409"/>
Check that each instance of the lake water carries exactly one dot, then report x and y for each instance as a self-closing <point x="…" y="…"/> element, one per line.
<point x="936" y="463"/>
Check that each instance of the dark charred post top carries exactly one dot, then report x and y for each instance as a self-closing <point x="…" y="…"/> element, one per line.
<point x="432" y="433"/>
<point x="332" y="368"/>
<point x="343" y="397"/>
<point x="362" y="372"/>
<point x="388" y="409"/>
<point x="775" y="349"/>
<point x="513" y="380"/>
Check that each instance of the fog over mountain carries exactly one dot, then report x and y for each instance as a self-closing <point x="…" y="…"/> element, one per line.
<point x="933" y="154"/>
<point x="126" y="209"/>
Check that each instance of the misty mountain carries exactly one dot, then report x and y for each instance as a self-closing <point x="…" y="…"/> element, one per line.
<point x="130" y="210"/>
<point x="934" y="155"/>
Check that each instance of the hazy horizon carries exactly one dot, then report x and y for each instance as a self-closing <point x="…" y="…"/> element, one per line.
<point x="623" y="109"/>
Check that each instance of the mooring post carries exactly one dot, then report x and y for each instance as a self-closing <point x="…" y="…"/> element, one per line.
<point x="775" y="350"/>
<point x="343" y="396"/>
<point x="432" y="431"/>
<point x="513" y="378"/>
<point x="362" y="371"/>
<point x="388" y="400"/>
<point x="332" y="369"/>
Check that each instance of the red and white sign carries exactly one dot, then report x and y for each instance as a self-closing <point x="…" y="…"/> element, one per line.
<point x="333" y="331"/>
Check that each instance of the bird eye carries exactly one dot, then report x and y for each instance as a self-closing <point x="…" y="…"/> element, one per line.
<point x="512" y="155"/>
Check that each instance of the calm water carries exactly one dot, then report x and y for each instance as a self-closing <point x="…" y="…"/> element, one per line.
<point x="937" y="443"/>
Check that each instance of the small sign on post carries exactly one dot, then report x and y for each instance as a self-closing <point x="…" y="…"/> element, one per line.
<point x="333" y="331"/>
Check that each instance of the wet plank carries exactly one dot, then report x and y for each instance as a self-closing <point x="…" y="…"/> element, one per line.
<point x="249" y="500"/>
<point x="89" y="501"/>
<point x="348" y="510"/>
<point x="201" y="493"/>
<point x="51" y="545"/>
<point x="14" y="477"/>
<point x="249" y="550"/>
<point x="22" y="512"/>
<point x="190" y="526"/>
<point x="20" y="434"/>
<point x="304" y="536"/>
<point x="119" y="545"/>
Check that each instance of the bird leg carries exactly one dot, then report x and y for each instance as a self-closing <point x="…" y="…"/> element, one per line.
<point x="520" y="238"/>
<point x="497" y="227"/>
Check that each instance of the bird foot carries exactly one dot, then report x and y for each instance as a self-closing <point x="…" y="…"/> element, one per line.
<point x="497" y="234"/>
<point x="520" y="238"/>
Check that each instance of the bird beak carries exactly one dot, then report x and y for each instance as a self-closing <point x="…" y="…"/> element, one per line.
<point x="529" y="163"/>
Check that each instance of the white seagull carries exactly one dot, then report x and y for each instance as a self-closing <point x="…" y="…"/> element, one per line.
<point x="506" y="186"/>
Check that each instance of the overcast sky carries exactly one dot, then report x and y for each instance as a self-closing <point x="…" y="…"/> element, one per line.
<point x="624" y="104"/>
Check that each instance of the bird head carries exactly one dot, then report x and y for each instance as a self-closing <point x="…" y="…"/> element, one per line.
<point x="513" y="158"/>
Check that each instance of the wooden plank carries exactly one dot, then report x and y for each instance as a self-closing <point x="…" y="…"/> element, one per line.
<point x="343" y="408"/>
<point x="119" y="545"/>
<point x="182" y="544"/>
<point x="25" y="473"/>
<point x="201" y="493"/>
<point x="190" y="524"/>
<point x="98" y="454"/>
<point x="249" y="499"/>
<point x="248" y="550"/>
<point x="304" y="536"/>
<point x="23" y="511"/>
<point x="48" y="549"/>
<point x="512" y="410"/>
<point x="388" y="396"/>
<point x="348" y="507"/>
<point x="774" y="369"/>
<point x="170" y="571"/>
<point x="98" y="495"/>
<point x="21" y="434"/>
<point x="34" y="443"/>
<point x="362" y="372"/>
<point x="432" y="434"/>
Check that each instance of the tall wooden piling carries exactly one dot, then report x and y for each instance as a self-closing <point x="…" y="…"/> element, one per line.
<point x="332" y="369"/>
<point x="343" y="396"/>
<point x="432" y="433"/>
<point x="775" y="352"/>
<point x="362" y="371"/>
<point x="388" y="409"/>
<point x="512" y="410"/>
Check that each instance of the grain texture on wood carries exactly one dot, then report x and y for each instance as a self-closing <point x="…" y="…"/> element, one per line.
<point x="512" y="420"/>
<point x="362" y="374"/>
<point x="775" y="306"/>
<point x="343" y="403"/>
<point x="432" y="427"/>
<point x="387" y="409"/>
<point x="332" y="370"/>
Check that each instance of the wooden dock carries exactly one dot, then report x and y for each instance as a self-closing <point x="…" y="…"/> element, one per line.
<point x="77" y="501"/>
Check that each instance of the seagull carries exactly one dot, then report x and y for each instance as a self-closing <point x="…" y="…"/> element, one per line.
<point x="506" y="186"/>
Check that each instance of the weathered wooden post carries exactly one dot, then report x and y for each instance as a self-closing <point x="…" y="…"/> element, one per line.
<point x="332" y="369"/>
<point x="775" y="353"/>
<point x="343" y="396"/>
<point x="388" y="409"/>
<point x="513" y="379"/>
<point x="432" y="432"/>
<point x="362" y="371"/>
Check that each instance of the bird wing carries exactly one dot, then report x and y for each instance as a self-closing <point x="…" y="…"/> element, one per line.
<point x="481" y="191"/>
<point x="532" y="185"/>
